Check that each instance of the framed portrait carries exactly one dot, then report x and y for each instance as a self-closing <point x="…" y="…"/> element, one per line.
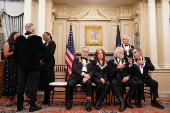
<point x="93" y="35"/>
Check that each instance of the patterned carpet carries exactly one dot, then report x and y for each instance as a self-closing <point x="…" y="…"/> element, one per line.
<point x="79" y="107"/>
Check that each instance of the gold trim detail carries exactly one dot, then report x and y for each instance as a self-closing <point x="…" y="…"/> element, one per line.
<point x="95" y="30"/>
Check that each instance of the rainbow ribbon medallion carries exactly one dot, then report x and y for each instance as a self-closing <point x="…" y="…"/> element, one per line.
<point x="102" y="67"/>
<point x="27" y="36"/>
<point x="115" y="61"/>
<point x="140" y="66"/>
<point x="88" y="62"/>
<point x="125" y="49"/>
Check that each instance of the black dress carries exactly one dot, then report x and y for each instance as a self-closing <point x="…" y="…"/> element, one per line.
<point x="10" y="75"/>
<point x="47" y="70"/>
<point x="101" y="71"/>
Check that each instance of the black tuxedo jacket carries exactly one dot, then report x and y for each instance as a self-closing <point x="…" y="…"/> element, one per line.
<point x="130" y="52"/>
<point x="77" y="68"/>
<point x="114" y="72"/>
<point x="27" y="51"/>
<point x="50" y="50"/>
<point x="135" y="71"/>
<point x="100" y="71"/>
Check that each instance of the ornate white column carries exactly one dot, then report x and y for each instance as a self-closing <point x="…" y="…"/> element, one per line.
<point x="42" y="17"/>
<point x="27" y="12"/>
<point x="165" y="33"/>
<point x="152" y="32"/>
<point x="49" y="16"/>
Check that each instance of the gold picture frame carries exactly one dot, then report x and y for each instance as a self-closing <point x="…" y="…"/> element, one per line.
<point x="93" y="35"/>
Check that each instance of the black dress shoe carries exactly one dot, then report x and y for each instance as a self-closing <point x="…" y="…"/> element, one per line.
<point x="45" y="103"/>
<point x="98" y="106"/>
<point x="156" y="104"/>
<point x="139" y="104"/>
<point x="88" y="106"/>
<point x="122" y="104"/>
<point x="26" y="100"/>
<point x="69" y="105"/>
<point x="34" y="108"/>
<point x="128" y="103"/>
<point x="21" y="108"/>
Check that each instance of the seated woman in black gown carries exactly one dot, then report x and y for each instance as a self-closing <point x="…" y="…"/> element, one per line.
<point x="47" y="66"/>
<point x="100" y="76"/>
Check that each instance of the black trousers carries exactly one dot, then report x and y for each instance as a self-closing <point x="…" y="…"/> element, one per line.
<point x="101" y="90"/>
<point x="131" y="83"/>
<point x="71" y="83"/>
<point x="149" y="82"/>
<point x="46" y="96"/>
<point x="33" y="82"/>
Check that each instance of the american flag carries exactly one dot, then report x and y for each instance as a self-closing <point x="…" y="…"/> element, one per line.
<point x="70" y="53"/>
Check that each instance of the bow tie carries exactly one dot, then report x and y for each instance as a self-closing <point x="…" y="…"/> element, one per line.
<point x="118" y="61"/>
<point x="137" y="59"/>
<point x="83" y="58"/>
<point x="126" y="45"/>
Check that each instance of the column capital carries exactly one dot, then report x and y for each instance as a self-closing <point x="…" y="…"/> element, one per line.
<point x="155" y="0"/>
<point x="151" y="0"/>
<point x="164" y="0"/>
<point x="44" y="0"/>
<point x="48" y="1"/>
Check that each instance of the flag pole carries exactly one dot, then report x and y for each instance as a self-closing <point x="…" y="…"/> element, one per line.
<point x="70" y="22"/>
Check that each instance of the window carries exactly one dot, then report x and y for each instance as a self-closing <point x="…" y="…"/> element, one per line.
<point x="136" y="40"/>
<point x="2" y="42"/>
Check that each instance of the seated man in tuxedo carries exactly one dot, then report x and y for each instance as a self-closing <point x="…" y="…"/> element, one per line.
<point x="81" y="74"/>
<point x="118" y="73"/>
<point x="126" y="47"/>
<point x="139" y="69"/>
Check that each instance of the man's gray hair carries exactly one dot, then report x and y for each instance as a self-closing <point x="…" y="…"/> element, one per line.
<point x="138" y="49"/>
<point x="29" y="26"/>
<point x="127" y="36"/>
<point x="84" y="47"/>
<point x="116" y="51"/>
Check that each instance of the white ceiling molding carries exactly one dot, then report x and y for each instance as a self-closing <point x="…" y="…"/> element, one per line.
<point x="104" y="14"/>
<point x="91" y="14"/>
<point x="134" y="14"/>
<point x="96" y="2"/>
<point x="82" y="14"/>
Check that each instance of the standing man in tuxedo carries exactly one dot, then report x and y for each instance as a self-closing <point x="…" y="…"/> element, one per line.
<point x="26" y="54"/>
<point x="139" y="70"/>
<point x="81" y="74"/>
<point x="118" y="73"/>
<point x="127" y="48"/>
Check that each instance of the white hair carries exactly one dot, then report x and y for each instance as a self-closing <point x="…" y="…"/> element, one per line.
<point x="29" y="26"/>
<point x="84" y="47"/>
<point x="126" y="36"/>
<point x="116" y="51"/>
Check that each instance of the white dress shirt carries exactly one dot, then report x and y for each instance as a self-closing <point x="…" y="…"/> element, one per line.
<point x="119" y="61"/>
<point x="126" y="47"/>
<point x="141" y="68"/>
<point x="84" y="69"/>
